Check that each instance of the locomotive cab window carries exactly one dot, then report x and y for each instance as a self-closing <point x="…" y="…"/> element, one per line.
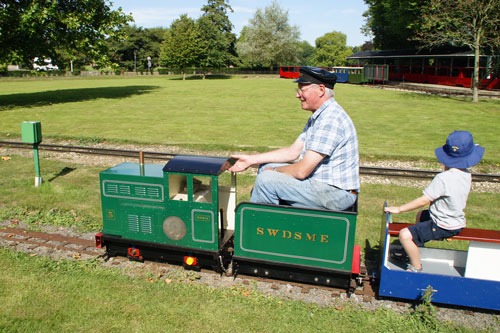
<point x="202" y="189"/>
<point x="177" y="187"/>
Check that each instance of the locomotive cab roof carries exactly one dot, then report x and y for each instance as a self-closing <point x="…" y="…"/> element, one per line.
<point x="213" y="166"/>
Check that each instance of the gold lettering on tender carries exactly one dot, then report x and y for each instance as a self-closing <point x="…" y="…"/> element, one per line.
<point x="297" y="235"/>
<point x="311" y="238"/>
<point x="273" y="232"/>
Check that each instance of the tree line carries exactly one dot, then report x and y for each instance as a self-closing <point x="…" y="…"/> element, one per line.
<point x="208" y="43"/>
<point x="89" y="32"/>
<point x="82" y="32"/>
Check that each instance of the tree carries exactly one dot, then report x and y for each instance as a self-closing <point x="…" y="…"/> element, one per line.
<point x="392" y="23"/>
<point x="269" y="40"/>
<point x="45" y="29"/>
<point x="144" y="42"/>
<point x="306" y="53"/>
<point x="331" y="50"/>
<point x="182" y="45"/>
<point x="474" y="23"/>
<point x="218" y="43"/>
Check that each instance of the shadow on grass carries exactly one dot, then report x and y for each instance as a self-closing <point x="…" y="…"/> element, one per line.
<point x="36" y="99"/>
<point x="207" y="77"/>
<point x="62" y="173"/>
<point x="372" y="258"/>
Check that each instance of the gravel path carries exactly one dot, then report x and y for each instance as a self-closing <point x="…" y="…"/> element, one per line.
<point x="108" y="161"/>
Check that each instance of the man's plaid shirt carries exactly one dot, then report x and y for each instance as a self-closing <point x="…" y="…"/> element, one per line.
<point x="330" y="131"/>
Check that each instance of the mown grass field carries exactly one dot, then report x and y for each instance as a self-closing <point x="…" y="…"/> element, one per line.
<point x="228" y="115"/>
<point x="224" y="115"/>
<point x="238" y="113"/>
<point x="40" y="295"/>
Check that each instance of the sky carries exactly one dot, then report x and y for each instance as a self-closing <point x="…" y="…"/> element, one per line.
<point x="314" y="18"/>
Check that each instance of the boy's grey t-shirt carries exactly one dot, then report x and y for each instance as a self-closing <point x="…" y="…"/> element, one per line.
<point x="448" y="192"/>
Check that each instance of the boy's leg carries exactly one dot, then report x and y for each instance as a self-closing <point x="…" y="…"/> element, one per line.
<point x="406" y="239"/>
<point x="416" y="235"/>
<point x="417" y="219"/>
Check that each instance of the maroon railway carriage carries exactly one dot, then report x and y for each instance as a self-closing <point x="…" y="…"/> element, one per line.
<point x="450" y="66"/>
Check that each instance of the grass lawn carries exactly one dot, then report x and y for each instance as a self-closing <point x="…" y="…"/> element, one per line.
<point x="41" y="295"/>
<point x="238" y="113"/>
<point x="227" y="115"/>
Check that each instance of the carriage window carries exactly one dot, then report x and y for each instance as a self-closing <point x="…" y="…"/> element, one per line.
<point x="202" y="189"/>
<point x="177" y="187"/>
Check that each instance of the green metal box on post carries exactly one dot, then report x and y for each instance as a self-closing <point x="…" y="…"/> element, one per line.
<point x="31" y="132"/>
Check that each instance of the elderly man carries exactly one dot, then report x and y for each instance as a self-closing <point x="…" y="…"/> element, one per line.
<point x="321" y="168"/>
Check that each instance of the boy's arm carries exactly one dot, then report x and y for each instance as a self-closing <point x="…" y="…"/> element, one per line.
<point x="417" y="203"/>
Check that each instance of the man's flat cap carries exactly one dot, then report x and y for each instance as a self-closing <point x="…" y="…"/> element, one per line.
<point x="316" y="75"/>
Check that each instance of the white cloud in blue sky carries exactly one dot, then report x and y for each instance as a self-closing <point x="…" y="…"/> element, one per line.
<point x="313" y="17"/>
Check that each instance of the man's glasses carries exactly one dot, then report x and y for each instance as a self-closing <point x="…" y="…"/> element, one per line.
<point x="300" y="91"/>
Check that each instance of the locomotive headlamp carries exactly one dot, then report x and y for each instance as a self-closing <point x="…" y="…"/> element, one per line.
<point x="133" y="252"/>
<point x="190" y="261"/>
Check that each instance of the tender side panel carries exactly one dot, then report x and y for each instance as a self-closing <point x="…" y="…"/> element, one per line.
<point x="296" y="236"/>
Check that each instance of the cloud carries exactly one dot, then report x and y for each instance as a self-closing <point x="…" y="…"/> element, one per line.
<point x="153" y="17"/>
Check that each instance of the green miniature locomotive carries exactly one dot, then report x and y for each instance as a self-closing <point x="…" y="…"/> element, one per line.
<point x="182" y="213"/>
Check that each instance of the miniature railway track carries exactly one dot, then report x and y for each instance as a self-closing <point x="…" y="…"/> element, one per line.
<point x="364" y="170"/>
<point x="54" y="241"/>
<point x="77" y="246"/>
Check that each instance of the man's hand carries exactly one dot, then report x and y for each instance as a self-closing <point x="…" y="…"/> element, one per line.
<point x="243" y="162"/>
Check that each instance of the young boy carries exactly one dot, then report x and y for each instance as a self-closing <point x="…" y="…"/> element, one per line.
<point x="447" y="194"/>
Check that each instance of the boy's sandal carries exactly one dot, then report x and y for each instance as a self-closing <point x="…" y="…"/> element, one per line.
<point x="399" y="254"/>
<point x="410" y="268"/>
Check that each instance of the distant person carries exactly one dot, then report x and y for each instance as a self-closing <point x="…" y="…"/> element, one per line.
<point x="321" y="168"/>
<point x="150" y="64"/>
<point x="447" y="194"/>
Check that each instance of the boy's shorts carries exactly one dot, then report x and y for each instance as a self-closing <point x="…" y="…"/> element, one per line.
<point x="428" y="230"/>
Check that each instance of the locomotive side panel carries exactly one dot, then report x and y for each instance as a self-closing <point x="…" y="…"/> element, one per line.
<point x="132" y="200"/>
<point x="136" y="205"/>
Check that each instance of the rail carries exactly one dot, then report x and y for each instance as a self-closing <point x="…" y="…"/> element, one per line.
<point x="364" y="170"/>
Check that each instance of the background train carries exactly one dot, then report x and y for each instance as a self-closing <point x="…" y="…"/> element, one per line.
<point x="185" y="212"/>
<point x="442" y="66"/>
<point x="365" y="74"/>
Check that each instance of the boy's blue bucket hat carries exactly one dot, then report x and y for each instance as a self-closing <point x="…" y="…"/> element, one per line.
<point x="459" y="151"/>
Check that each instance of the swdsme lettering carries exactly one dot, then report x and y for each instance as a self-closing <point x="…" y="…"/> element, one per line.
<point x="287" y="234"/>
